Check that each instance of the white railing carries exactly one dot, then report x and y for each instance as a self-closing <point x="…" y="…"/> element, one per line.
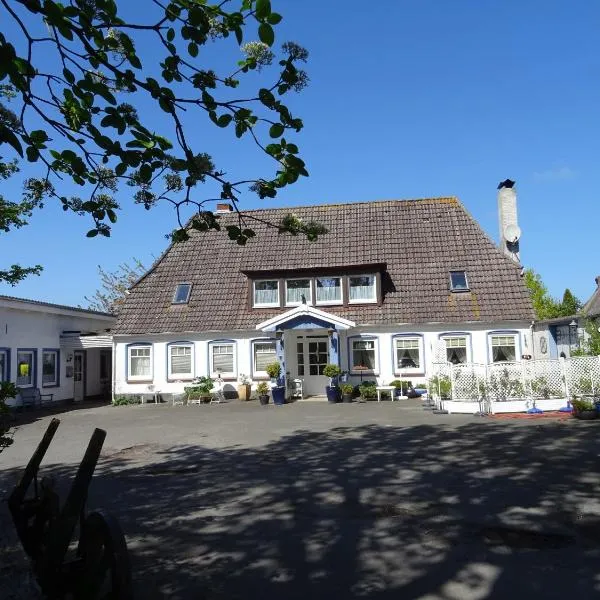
<point x="528" y="380"/>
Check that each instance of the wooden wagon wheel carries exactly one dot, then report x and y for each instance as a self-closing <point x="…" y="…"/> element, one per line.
<point x="105" y="570"/>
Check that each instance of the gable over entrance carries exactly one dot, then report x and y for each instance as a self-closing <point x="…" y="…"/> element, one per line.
<point x="305" y="317"/>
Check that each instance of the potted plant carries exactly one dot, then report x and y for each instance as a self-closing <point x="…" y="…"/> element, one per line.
<point x="200" y="390"/>
<point x="277" y="389"/>
<point x="584" y="409"/>
<point x="244" y="389"/>
<point x="332" y="390"/>
<point x="262" y="389"/>
<point x="368" y="390"/>
<point x="347" y="392"/>
<point x="402" y="386"/>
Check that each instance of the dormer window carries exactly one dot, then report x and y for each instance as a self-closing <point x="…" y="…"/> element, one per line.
<point x="458" y="281"/>
<point x="266" y="293"/>
<point x="298" y="291"/>
<point x="182" y="293"/>
<point x="362" y="288"/>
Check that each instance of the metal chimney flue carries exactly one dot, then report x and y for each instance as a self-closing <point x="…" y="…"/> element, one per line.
<point x="510" y="232"/>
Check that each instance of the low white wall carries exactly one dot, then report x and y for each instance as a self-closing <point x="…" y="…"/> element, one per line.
<point x="510" y="406"/>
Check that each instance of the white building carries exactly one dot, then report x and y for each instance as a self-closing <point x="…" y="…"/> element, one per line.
<point x="392" y="288"/>
<point x="62" y="350"/>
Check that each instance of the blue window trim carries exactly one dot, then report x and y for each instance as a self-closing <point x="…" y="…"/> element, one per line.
<point x="57" y="352"/>
<point x="466" y="334"/>
<point x="138" y="345"/>
<point x="259" y="340"/>
<point x="418" y="371"/>
<point x="235" y="357"/>
<point x="187" y="298"/>
<point x="171" y="378"/>
<point x="365" y="336"/>
<point x="518" y="348"/>
<point x="7" y="375"/>
<point x="34" y="366"/>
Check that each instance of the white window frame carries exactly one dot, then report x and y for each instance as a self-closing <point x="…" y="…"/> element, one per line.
<point x="33" y="367"/>
<point x="451" y="336"/>
<point x="211" y="347"/>
<point x="329" y="302"/>
<point x="56" y="368"/>
<point x="375" y="370"/>
<point x="187" y="298"/>
<point x="310" y="292"/>
<point x="409" y="370"/>
<point x="148" y="377"/>
<point x="179" y="376"/>
<point x="360" y="300"/>
<point x="516" y="342"/>
<point x="4" y="374"/>
<point x="255" y="373"/>
<point x="265" y="304"/>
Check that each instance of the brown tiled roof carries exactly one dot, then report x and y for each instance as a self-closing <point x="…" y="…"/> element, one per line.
<point x="592" y="307"/>
<point x="420" y="241"/>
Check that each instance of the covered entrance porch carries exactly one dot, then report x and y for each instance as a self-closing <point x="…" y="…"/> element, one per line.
<point x="307" y="340"/>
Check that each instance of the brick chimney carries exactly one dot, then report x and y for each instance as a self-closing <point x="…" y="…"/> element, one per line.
<point x="510" y="232"/>
<point x="224" y="207"/>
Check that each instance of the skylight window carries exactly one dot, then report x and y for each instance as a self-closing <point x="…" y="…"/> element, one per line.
<point x="182" y="293"/>
<point x="458" y="281"/>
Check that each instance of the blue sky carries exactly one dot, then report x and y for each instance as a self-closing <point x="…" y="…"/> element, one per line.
<point x="407" y="99"/>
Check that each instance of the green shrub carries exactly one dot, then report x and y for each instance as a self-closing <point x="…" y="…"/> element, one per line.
<point x="331" y="371"/>
<point x="440" y="385"/>
<point x="402" y="384"/>
<point x="367" y="390"/>
<point x="581" y="405"/>
<point x="200" y="389"/>
<point x="273" y="370"/>
<point x="125" y="400"/>
<point x="347" y="388"/>
<point x="262" y="389"/>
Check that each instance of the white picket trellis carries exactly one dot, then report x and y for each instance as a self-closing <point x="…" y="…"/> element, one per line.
<point x="508" y="381"/>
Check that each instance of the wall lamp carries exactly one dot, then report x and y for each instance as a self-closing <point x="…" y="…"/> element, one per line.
<point x="279" y="333"/>
<point x="330" y="331"/>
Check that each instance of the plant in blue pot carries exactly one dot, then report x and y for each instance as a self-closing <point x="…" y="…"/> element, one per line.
<point x="332" y="390"/>
<point x="277" y="385"/>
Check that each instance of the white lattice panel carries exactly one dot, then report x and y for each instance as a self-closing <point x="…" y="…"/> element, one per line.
<point x="583" y="375"/>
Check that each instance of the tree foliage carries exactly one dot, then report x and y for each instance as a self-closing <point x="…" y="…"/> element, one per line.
<point x="114" y="286"/>
<point x="589" y="345"/>
<point x="87" y="103"/>
<point x="544" y="305"/>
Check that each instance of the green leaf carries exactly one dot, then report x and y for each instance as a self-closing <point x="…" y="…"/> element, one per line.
<point x="170" y="34"/>
<point x="276" y="130"/>
<point x="121" y="169"/>
<point x="6" y="135"/>
<point x="263" y="8"/>
<point x="145" y="172"/>
<point x="69" y="76"/>
<point x="224" y="120"/>
<point x="266" y="34"/>
<point x="193" y="49"/>
<point x="32" y="153"/>
<point x="92" y="233"/>
<point x="274" y="18"/>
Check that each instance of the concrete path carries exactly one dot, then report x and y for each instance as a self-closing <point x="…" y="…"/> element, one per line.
<point x="345" y="501"/>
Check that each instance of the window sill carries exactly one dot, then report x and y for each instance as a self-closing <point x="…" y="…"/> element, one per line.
<point x="373" y="301"/>
<point x="459" y="290"/>
<point x="174" y="379"/>
<point x="307" y="303"/>
<point x="332" y="303"/>
<point x="411" y="372"/>
<point x="50" y="386"/>
<point x="140" y="380"/>
<point x="266" y="305"/>
<point x="365" y="373"/>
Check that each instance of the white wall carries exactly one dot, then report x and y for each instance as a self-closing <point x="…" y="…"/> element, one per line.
<point x="478" y="351"/>
<point x="32" y="329"/>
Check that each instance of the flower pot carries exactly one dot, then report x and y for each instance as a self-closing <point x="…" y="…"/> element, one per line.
<point x="244" y="391"/>
<point x="347" y="397"/>
<point x="333" y="393"/>
<point x="264" y="399"/>
<point x="278" y="393"/>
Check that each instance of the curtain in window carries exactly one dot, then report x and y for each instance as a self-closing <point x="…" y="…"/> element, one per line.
<point x="456" y="350"/>
<point x="49" y="368"/>
<point x="24" y="368"/>
<point x="266" y="292"/>
<point x="222" y="358"/>
<point x="503" y="348"/>
<point x="264" y="354"/>
<point x="362" y="288"/>
<point x="329" y="289"/>
<point x="408" y="353"/>
<point x="363" y="354"/>
<point x="140" y="362"/>
<point x="296" y="289"/>
<point x="181" y="360"/>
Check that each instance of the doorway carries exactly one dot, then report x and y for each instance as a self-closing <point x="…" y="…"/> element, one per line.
<point x="312" y="354"/>
<point x="78" y="375"/>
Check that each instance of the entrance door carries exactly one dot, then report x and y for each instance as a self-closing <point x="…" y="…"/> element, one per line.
<point x="312" y="353"/>
<point x="78" y="375"/>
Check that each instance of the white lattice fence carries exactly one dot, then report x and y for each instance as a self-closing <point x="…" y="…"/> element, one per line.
<point x="468" y="381"/>
<point x="506" y="380"/>
<point x="583" y="375"/>
<point x="545" y="379"/>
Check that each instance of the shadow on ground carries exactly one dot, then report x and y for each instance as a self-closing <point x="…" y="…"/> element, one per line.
<point x="485" y="510"/>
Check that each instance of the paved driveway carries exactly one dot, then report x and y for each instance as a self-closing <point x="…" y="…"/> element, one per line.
<point x="347" y="501"/>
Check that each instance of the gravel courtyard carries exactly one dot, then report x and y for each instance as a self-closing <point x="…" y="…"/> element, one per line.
<point x="312" y="501"/>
